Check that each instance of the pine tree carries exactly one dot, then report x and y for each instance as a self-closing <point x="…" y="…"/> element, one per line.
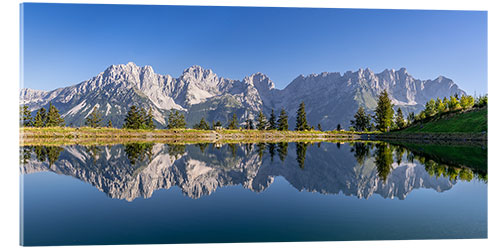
<point x="430" y="108"/>
<point x="446" y="102"/>
<point x="149" y="124"/>
<point x="466" y="101"/>
<point x="180" y="121"/>
<point x="171" y="120"/>
<point x="400" y="120"/>
<point x="410" y="118"/>
<point x="40" y="118"/>
<point x="261" y="121"/>
<point x="203" y="125"/>
<point x="319" y="127"/>
<point x="142" y="118"/>
<point x="110" y="124"/>
<point x="481" y="101"/>
<point x="272" y="121"/>
<point x="176" y="120"/>
<point x="283" y="121"/>
<point x="440" y="106"/>
<point x="93" y="119"/>
<point x="384" y="112"/>
<point x="339" y="127"/>
<point x="453" y="104"/>
<point x="301" y="124"/>
<point x="249" y="124"/>
<point x="233" y="124"/>
<point x="25" y="116"/>
<point x="53" y="117"/>
<point x="361" y="120"/>
<point x="133" y="118"/>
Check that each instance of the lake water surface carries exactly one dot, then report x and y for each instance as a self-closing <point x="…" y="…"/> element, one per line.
<point x="160" y="193"/>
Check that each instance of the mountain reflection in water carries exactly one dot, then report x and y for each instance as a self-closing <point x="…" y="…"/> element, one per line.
<point x="357" y="169"/>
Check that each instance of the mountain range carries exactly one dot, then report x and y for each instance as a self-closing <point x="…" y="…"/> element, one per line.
<point x="330" y="98"/>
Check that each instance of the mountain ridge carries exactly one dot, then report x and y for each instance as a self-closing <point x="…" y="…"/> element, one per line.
<point x="331" y="97"/>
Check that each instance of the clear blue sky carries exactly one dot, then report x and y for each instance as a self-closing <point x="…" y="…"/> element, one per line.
<point x="65" y="44"/>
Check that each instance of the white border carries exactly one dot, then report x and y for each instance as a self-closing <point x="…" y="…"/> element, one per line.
<point x="9" y="221"/>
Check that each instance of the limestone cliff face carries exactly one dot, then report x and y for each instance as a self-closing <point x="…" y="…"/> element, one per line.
<point x="330" y="98"/>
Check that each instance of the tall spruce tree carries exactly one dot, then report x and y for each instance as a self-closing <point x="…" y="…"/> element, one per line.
<point x="400" y="120"/>
<point x="233" y="124"/>
<point x="143" y="115"/>
<point x="261" y="121"/>
<point x="283" y="121"/>
<point x="272" y="121"/>
<point x="202" y="125"/>
<point x="339" y="127"/>
<point x="133" y="119"/>
<point x="319" y="127"/>
<point x="149" y="124"/>
<point x="301" y="124"/>
<point x="453" y="103"/>
<point x="249" y="124"/>
<point x="410" y="118"/>
<point x="176" y="120"/>
<point x="171" y="120"/>
<point x="466" y="101"/>
<point x="384" y="112"/>
<point x="40" y="118"/>
<point x="440" y="106"/>
<point x="25" y="116"/>
<point x="361" y="120"/>
<point x="53" y="117"/>
<point x="181" y="120"/>
<point x="430" y="108"/>
<point x="110" y="124"/>
<point x="94" y="119"/>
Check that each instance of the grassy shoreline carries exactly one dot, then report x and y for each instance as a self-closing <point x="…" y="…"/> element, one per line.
<point x="458" y="126"/>
<point x="66" y="135"/>
<point x="86" y="135"/>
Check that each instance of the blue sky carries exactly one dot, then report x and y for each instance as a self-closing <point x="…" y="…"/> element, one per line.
<point x="65" y="44"/>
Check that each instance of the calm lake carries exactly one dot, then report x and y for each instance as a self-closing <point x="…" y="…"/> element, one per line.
<point x="160" y="193"/>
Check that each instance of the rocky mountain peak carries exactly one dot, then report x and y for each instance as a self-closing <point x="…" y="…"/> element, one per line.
<point x="197" y="70"/>
<point x="260" y="81"/>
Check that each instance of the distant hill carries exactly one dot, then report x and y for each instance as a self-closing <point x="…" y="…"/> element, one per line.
<point x="330" y="98"/>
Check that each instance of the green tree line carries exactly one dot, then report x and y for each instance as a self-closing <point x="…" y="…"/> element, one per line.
<point x="385" y="118"/>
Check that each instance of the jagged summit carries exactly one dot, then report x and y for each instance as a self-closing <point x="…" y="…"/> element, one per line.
<point x="330" y="97"/>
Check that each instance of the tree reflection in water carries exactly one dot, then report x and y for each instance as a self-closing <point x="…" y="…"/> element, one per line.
<point x="271" y="147"/>
<point x="202" y="146"/>
<point x="301" y="153"/>
<point x="383" y="160"/>
<point x="137" y="152"/>
<point x="282" y="150"/>
<point x="260" y="149"/>
<point x="25" y="154"/>
<point x="361" y="151"/>
<point x="48" y="153"/>
<point x="94" y="152"/>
